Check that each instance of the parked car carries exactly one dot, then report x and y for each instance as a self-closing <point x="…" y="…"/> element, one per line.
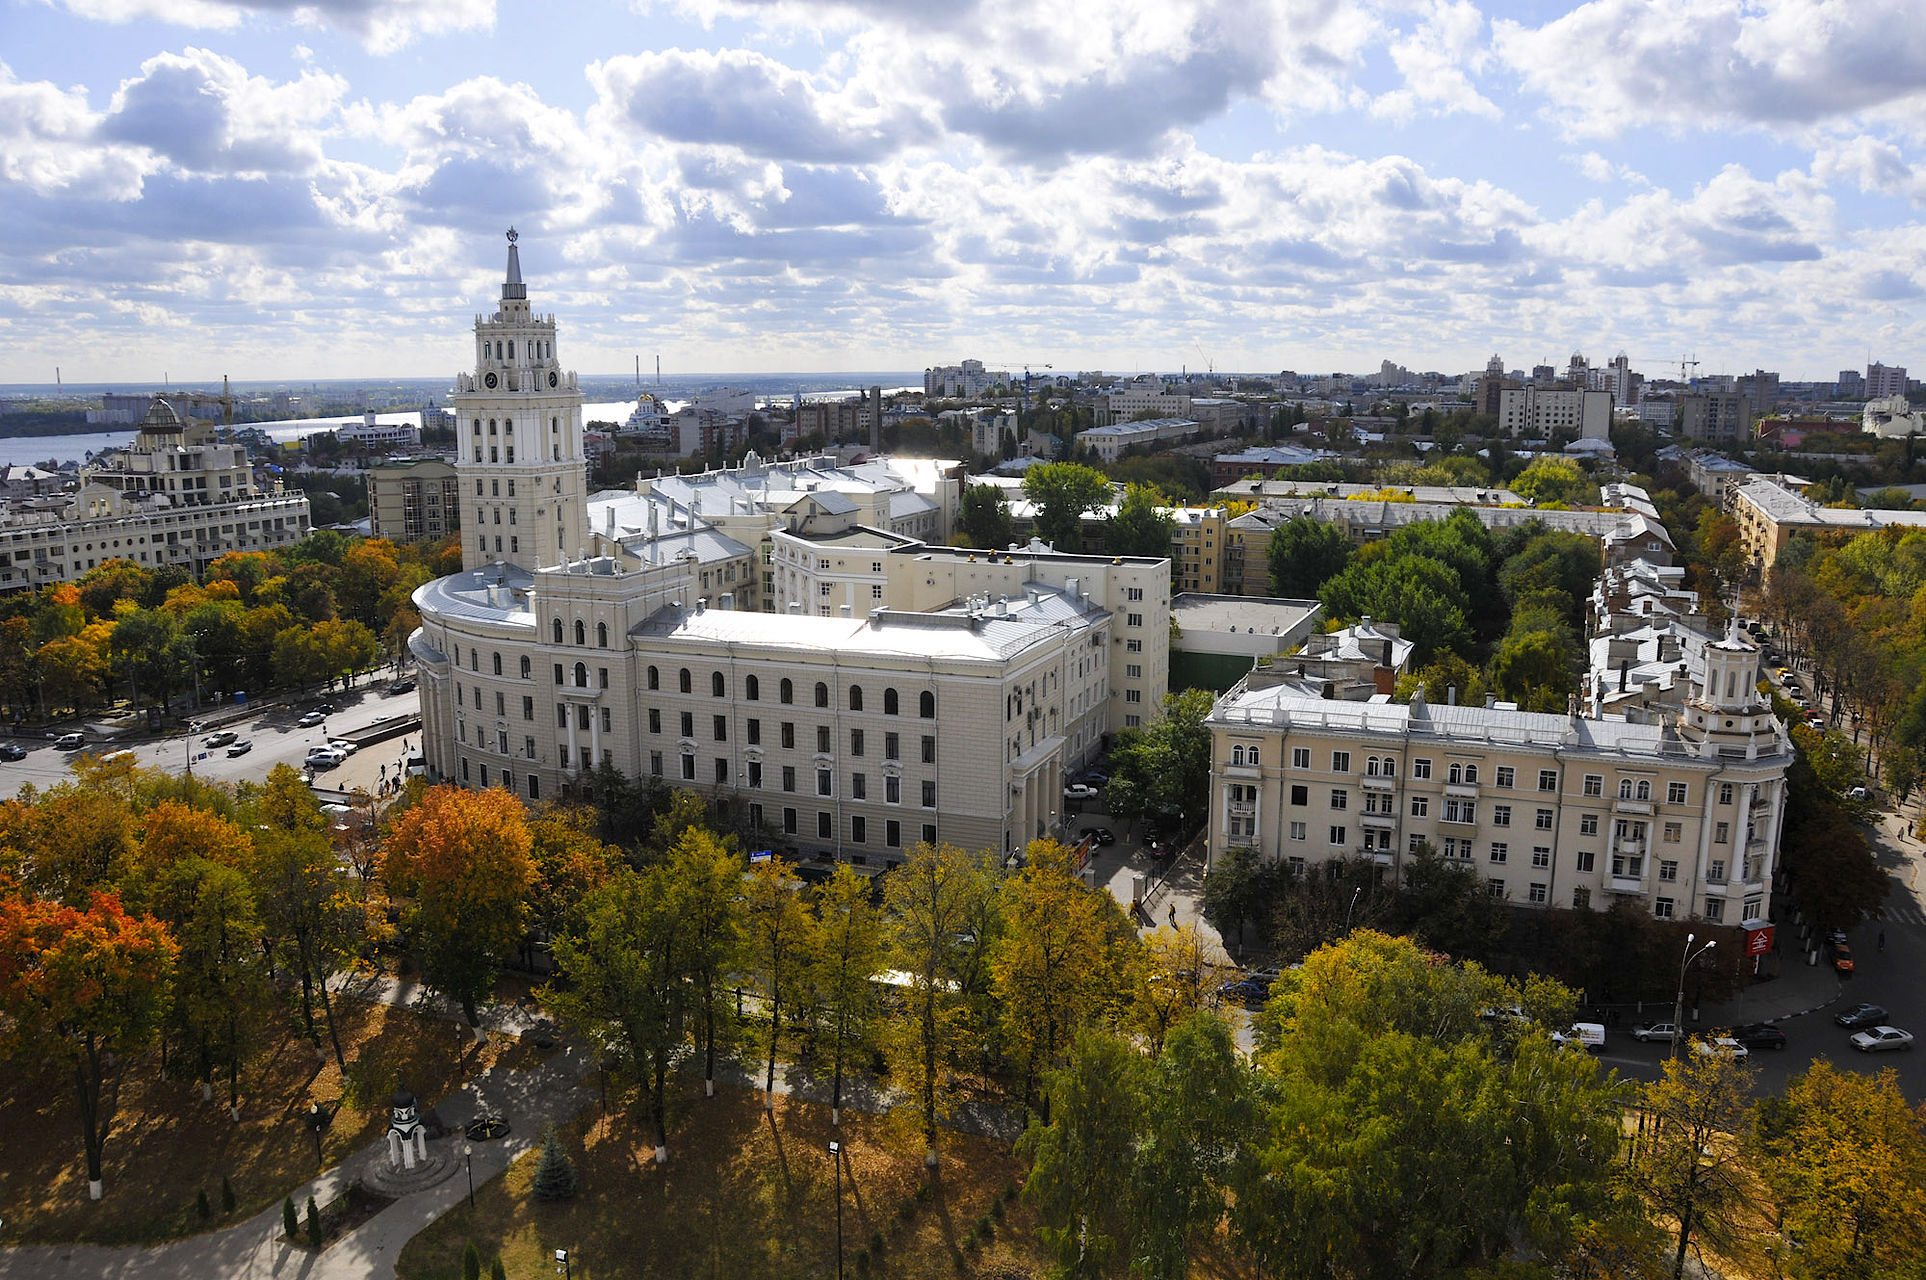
<point x="311" y="719"/>
<point x="1760" y="1035"/>
<point x="342" y="745"/>
<point x="70" y="741"/>
<point x="220" y="739"/>
<point x="1096" y="778"/>
<point x="325" y="708"/>
<point x="417" y="766"/>
<point x="1861" y="1015"/>
<point x="12" y="751"/>
<point x="1654" y="1031"/>
<point x="1860" y="794"/>
<point x="1102" y="835"/>
<point x="1079" y="791"/>
<point x="240" y="748"/>
<point x="323" y="757"/>
<point x="1879" y="1039"/>
<point x="1721" y="1046"/>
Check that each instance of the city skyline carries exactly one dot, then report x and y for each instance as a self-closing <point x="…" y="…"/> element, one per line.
<point x="199" y="187"/>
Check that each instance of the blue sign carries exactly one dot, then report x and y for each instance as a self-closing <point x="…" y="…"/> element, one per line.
<point x="761" y="855"/>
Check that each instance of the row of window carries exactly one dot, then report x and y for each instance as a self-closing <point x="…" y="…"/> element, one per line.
<point x="787" y="778"/>
<point x="786" y="692"/>
<point x="1466" y="774"/>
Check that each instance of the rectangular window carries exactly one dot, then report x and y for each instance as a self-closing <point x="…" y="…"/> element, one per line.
<point x="561" y="715"/>
<point x="1420" y="806"/>
<point x="789" y="822"/>
<point x="855" y="742"/>
<point x="755" y="773"/>
<point x="1340" y="762"/>
<point x="1715" y="909"/>
<point x="1544" y="820"/>
<point x="788" y="735"/>
<point x="528" y="748"/>
<point x="1662" y="909"/>
<point x="720" y="727"/>
<point x="1581" y="898"/>
<point x="1548" y="779"/>
<point x="1456" y="810"/>
<point x="858" y="830"/>
<point x="929" y="748"/>
<point x="1500" y="851"/>
<point x="1587" y="860"/>
<point x="1537" y="893"/>
<point x="789" y="777"/>
<point x="1715" y="871"/>
<point x="688" y="767"/>
<point x="1297" y="831"/>
<point x="1340" y="799"/>
<point x="1495" y="887"/>
<point x="1421" y="768"/>
<point x="501" y="704"/>
<point x="1594" y="784"/>
<point x="1506" y="775"/>
<point x="859" y="786"/>
<point x="1133" y="695"/>
<point x="1672" y="832"/>
<point x="754" y="728"/>
<point x="893" y="834"/>
<point x="1541" y="855"/>
<point x="825" y="826"/>
<point x="1588" y="824"/>
<point x="1668" y="869"/>
<point x="892" y="789"/>
<point x="1300" y="757"/>
<point x="823" y="787"/>
<point x="1134" y="619"/>
<point x="1675" y="793"/>
<point x="655" y="763"/>
<point x="608" y="719"/>
<point x="558" y="673"/>
<point x="1132" y="671"/>
<point x="822" y="739"/>
<point x="688" y="724"/>
<point x="1300" y="796"/>
<point x="1134" y="593"/>
<point x="1501" y="815"/>
<point x="1133" y="646"/>
<point x="1337" y="835"/>
<point x="892" y="747"/>
<point x="722" y="772"/>
<point x="1722" y="833"/>
<point x="929" y="794"/>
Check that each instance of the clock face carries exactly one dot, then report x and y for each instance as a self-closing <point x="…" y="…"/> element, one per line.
<point x="552" y="379"/>
<point x="488" y="380"/>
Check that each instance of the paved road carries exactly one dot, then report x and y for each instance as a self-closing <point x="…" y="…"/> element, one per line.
<point x="276" y="736"/>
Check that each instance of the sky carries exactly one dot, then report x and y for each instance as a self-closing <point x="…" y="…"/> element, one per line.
<point x="285" y="190"/>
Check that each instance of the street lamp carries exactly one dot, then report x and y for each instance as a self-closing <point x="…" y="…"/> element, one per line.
<point x="1355" y="895"/>
<point x="836" y="1153"/>
<point x="1678" y="1002"/>
<point x="563" y="1269"/>
<point x="468" y="1156"/>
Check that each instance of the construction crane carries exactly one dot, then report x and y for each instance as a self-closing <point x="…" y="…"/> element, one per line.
<point x="1685" y="362"/>
<point x="1023" y="392"/>
<point x="191" y="398"/>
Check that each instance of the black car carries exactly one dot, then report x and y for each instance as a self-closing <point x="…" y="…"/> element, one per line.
<point x="1102" y="835"/>
<point x="402" y="686"/>
<point x="12" y="751"/>
<point x="1861" y="1015"/>
<point x="1760" y="1035"/>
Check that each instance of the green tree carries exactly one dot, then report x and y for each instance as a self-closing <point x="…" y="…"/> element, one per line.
<point x="985" y="518"/>
<point x="1162" y="772"/>
<point x="1534" y="671"/>
<point x="843" y="980"/>
<point x="1844" y="1156"/>
<point x="780" y="946"/>
<point x="705" y="879"/>
<point x="1449" y="679"/>
<point x="1449" y="909"/>
<point x="554" y="1174"/>
<point x="1550" y="479"/>
<point x="312" y="919"/>
<point x="928" y="903"/>
<point x="1065" y="492"/>
<point x="1304" y="554"/>
<point x="221" y="993"/>
<point x="1138" y="528"/>
<point x="1083" y="1157"/>
<point x="1688" y="1162"/>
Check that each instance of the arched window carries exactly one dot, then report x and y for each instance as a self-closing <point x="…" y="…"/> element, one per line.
<point x="787" y="693"/>
<point x="511" y="348"/>
<point x="498" y="663"/>
<point x="526" y="668"/>
<point x="581" y="632"/>
<point x="822" y="694"/>
<point x="1252" y="757"/>
<point x="1624" y="788"/>
<point x="926" y="705"/>
<point x="1237" y="755"/>
<point x="601" y="635"/>
<point x="655" y="678"/>
<point x="581" y="675"/>
<point x="1644" y="789"/>
<point x="752" y="689"/>
<point x="684" y="680"/>
<point x="855" y="697"/>
<point x="1456" y="774"/>
<point x="889" y="702"/>
<point x="1471" y="773"/>
<point x="558" y="631"/>
<point x="717" y="687"/>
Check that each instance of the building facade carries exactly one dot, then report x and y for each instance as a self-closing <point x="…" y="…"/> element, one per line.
<point x="409" y="501"/>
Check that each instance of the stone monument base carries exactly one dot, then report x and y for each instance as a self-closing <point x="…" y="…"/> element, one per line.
<point x="387" y="1180"/>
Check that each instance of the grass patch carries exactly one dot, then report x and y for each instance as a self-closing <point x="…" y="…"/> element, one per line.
<point x="167" y="1145"/>
<point x="747" y="1194"/>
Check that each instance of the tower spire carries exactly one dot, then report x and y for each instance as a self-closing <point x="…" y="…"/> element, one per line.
<point x="512" y="286"/>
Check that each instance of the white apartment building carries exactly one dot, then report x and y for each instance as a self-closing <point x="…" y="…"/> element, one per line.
<point x="1541" y="412"/>
<point x="641" y="630"/>
<point x="963" y="381"/>
<point x="1884" y="381"/>
<point x="1680" y="817"/>
<point x="1110" y="442"/>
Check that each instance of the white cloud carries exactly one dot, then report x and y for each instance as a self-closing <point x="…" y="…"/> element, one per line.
<point x="1434" y="59"/>
<point x="1611" y="65"/>
<point x="383" y="26"/>
<point x="1873" y="164"/>
<point x="203" y="112"/>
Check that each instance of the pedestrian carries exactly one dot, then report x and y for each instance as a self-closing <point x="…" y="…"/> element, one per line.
<point x="1882" y="939"/>
<point x="1173" y="915"/>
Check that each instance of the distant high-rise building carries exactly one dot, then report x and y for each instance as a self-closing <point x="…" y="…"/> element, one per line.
<point x="1885" y="380"/>
<point x="1543" y="375"/>
<point x="1762" y="389"/>
<point x="1852" y="385"/>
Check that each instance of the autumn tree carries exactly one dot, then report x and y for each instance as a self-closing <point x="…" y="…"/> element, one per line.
<point x="1688" y="1161"/>
<point x="462" y="856"/>
<point x="842" y="980"/>
<point x="1066" y="959"/>
<point x="84" y="988"/>
<point x="69" y="844"/>
<point x="1178" y="976"/>
<point x="1844" y="1156"/>
<point x="779" y="948"/>
<point x="222" y="995"/>
<point x="927" y="902"/>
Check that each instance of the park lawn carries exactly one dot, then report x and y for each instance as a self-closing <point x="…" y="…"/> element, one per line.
<point x="166" y="1144"/>
<point x="745" y="1195"/>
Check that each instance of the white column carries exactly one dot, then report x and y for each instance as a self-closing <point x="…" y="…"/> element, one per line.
<point x="574" y="741"/>
<point x="595" y="736"/>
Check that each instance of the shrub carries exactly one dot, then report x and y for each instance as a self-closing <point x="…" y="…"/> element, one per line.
<point x="555" y="1175"/>
<point x="985" y="1227"/>
<point x="314" y="1224"/>
<point x="876" y="1243"/>
<point x="496" y="1271"/>
<point x="201" y="1206"/>
<point x="996" y="1210"/>
<point x="924" y="1191"/>
<point x="1009" y="1191"/>
<point x="289" y="1222"/>
<point x="862" y="1262"/>
<point x="227" y="1195"/>
<point x="470" y="1262"/>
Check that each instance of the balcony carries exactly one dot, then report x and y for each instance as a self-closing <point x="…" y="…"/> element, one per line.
<point x="1629" y="848"/>
<point x="1625" y="884"/>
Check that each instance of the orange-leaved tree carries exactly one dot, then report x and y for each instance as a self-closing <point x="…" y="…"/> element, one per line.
<point x="463" y="857"/>
<point x="82" y="988"/>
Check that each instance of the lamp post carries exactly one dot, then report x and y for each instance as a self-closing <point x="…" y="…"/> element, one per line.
<point x="563" y="1269"/>
<point x="1678" y="1002"/>
<point x="468" y="1157"/>
<point x="836" y="1154"/>
<point x="1355" y="895"/>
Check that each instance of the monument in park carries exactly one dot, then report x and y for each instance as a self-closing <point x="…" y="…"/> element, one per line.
<point x="407" y="1138"/>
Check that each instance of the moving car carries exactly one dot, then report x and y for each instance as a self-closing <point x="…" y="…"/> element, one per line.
<point x="1861" y="1015"/>
<point x="1880" y="1039"/>
<point x="1102" y="835"/>
<point x="323" y="757"/>
<point x="1724" y="1046"/>
<point x="1079" y="791"/>
<point x="1842" y="957"/>
<point x="342" y="745"/>
<point x="402" y="686"/>
<point x="220" y="739"/>
<point x="1654" y="1031"/>
<point x="311" y="719"/>
<point x="1589" y="1036"/>
<point x="12" y="751"/>
<point x="70" y="741"/>
<point x="1760" y="1035"/>
<point x="240" y="748"/>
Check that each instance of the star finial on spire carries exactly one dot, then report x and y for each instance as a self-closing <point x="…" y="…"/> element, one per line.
<point x="512" y="237"/>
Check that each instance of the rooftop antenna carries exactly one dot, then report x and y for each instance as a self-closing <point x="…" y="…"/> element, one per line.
<point x="58" y="389"/>
<point x="658" y="371"/>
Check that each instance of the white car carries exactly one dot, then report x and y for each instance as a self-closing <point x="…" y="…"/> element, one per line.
<point x="1859" y="794"/>
<point x="220" y="739"/>
<point x="1079" y="791"/>
<point x="342" y="745"/>
<point x="1724" y="1046"/>
<point x="310" y="720"/>
<point x="1589" y="1036"/>
<point x="1879" y="1039"/>
<point x="323" y="757"/>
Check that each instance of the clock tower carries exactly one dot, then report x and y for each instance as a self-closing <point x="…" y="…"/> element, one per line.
<point x="518" y="428"/>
